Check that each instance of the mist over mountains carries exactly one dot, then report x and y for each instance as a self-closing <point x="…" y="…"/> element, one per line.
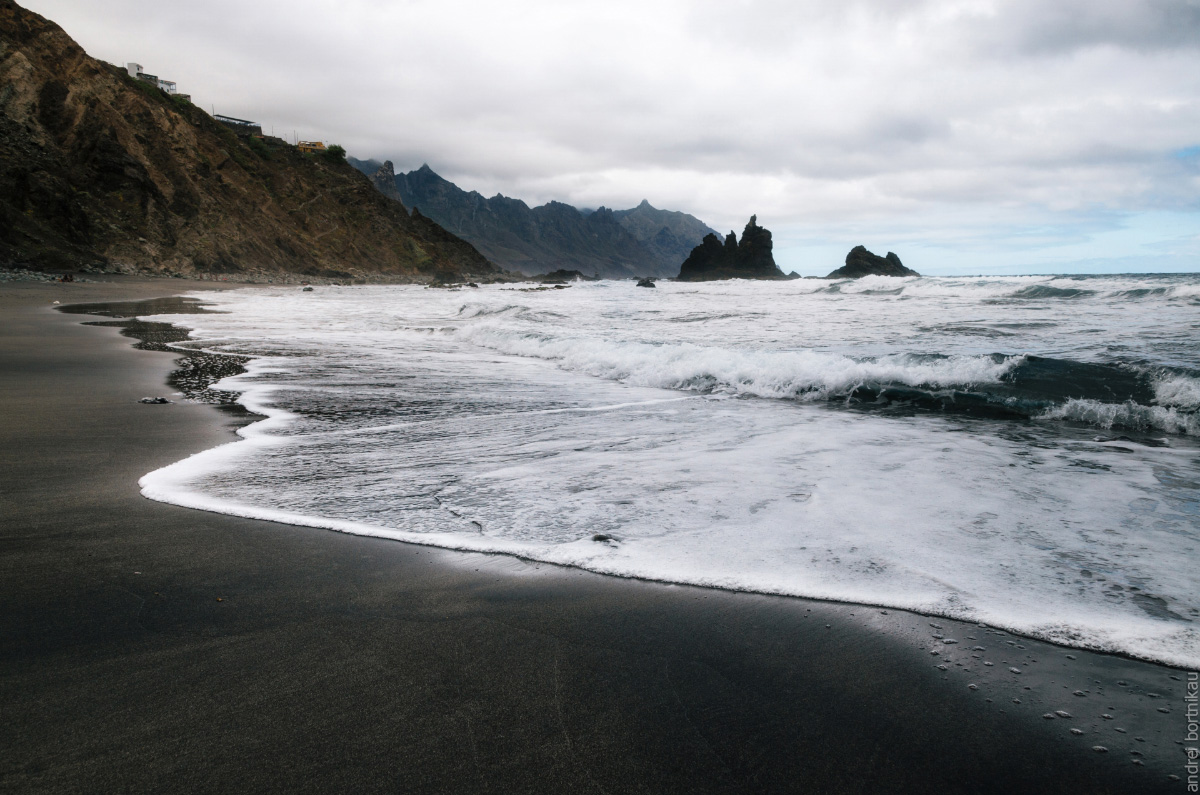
<point x="640" y="241"/>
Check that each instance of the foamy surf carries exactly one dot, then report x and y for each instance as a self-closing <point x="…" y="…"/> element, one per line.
<point x="702" y="433"/>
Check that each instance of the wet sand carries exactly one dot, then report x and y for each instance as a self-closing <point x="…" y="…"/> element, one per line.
<point x="149" y="648"/>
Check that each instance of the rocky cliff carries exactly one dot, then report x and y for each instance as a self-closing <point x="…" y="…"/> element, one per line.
<point x="860" y="262"/>
<point x="749" y="259"/>
<point x="98" y="169"/>
<point x="613" y="244"/>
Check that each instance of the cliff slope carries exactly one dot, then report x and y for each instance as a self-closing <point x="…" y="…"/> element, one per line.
<point x="99" y="169"/>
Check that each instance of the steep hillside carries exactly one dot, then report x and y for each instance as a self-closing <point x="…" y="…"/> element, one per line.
<point x="614" y="244"/>
<point x="99" y="169"/>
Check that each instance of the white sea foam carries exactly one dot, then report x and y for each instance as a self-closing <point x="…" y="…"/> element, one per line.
<point x="774" y="374"/>
<point x="1128" y="415"/>
<point x="532" y="421"/>
<point x="1180" y="391"/>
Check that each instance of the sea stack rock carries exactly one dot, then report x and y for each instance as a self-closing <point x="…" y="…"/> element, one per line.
<point x="750" y="259"/>
<point x="860" y="262"/>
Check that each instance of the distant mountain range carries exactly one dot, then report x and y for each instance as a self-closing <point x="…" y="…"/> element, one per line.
<point x="642" y="241"/>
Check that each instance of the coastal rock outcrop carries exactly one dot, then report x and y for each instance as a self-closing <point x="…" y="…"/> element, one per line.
<point x="860" y="262"/>
<point x="749" y="259"/>
<point x="563" y="275"/>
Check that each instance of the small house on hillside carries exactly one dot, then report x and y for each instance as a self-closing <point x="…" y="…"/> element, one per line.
<point x="241" y="127"/>
<point x="136" y="71"/>
<point x="311" y="147"/>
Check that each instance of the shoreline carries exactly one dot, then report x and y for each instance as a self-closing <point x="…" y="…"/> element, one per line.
<point x="202" y="369"/>
<point x="347" y="661"/>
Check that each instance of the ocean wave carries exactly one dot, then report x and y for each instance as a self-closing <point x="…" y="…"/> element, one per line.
<point x="1021" y="288"/>
<point x="1041" y="291"/>
<point x="771" y="374"/>
<point x="990" y="385"/>
<point x="1180" y="391"/>
<point x="1128" y="415"/>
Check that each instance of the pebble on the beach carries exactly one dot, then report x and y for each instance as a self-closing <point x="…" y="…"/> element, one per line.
<point x="1076" y="731"/>
<point x="1100" y="749"/>
<point x="1049" y="716"/>
<point x="1080" y="693"/>
<point x="1062" y="713"/>
<point x="1015" y="670"/>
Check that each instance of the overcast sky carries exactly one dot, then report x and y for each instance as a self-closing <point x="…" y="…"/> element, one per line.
<point x="968" y="136"/>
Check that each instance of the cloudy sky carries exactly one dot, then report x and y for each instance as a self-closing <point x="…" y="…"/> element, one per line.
<point x="969" y="136"/>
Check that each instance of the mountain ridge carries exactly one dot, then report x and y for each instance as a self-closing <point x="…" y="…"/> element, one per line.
<point x="640" y="241"/>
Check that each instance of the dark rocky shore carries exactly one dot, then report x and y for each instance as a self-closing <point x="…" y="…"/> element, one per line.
<point x="150" y="648"/>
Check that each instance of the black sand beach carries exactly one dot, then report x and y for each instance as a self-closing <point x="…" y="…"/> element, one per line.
<point x="150" y="648"/>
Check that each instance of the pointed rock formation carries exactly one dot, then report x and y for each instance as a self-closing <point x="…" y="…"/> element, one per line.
<point x="750" y="259"/>
<point x="384" y="179"/>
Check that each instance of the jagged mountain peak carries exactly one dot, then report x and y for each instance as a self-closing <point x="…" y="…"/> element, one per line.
<point x="556" y="235"/>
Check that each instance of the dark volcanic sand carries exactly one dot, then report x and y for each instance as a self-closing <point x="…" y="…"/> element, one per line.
<point x="152" y="648"/>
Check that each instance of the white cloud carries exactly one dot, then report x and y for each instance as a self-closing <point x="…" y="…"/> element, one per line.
<point x="912" y="116"/>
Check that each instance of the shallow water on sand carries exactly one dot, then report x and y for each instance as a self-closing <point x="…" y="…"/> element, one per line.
<point x="1019" y="451"/>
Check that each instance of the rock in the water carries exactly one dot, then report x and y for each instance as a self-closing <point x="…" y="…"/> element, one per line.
<point x="562" y="275"/>
<point x="154" y="400"/>
<point x="645" y="283"/>
<point x="750" y="259"/>
<point x="860" y="262"/>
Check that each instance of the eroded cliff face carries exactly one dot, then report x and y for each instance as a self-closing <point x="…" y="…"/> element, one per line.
<point x="98" y="169"/>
